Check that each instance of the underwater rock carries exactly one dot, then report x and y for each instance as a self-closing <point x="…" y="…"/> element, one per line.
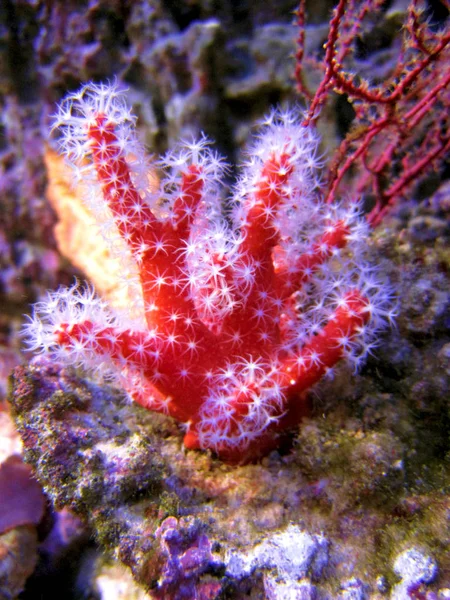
<point x="293" y="590"/>
<point x="354" y="589"/>
<point x="414" y="567"/>
<point x="293" y="554"/>
<point x="108" y="467"/>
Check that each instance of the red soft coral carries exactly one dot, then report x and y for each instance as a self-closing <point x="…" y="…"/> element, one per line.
<point x="237" y="322"/>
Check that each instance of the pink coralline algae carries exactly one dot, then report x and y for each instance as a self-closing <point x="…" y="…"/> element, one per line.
<point x="187" y="553"/>
<point x="235" y="317"/>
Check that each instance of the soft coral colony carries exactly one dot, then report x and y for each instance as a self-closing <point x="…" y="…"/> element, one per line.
<point x="238" y="320"/>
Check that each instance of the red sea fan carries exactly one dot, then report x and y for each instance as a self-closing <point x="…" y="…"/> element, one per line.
<point x="401" y="128"/>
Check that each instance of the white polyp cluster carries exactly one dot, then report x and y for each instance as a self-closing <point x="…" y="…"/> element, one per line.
<point x="175" y="164"/>
<point x="68" y="307"/>
<point x="350" y="268"/>
<point x="209" y="258"/>
<point x="256" y="379"/>
<point x="283" y="134"/>
<point x="79" y="111"/>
